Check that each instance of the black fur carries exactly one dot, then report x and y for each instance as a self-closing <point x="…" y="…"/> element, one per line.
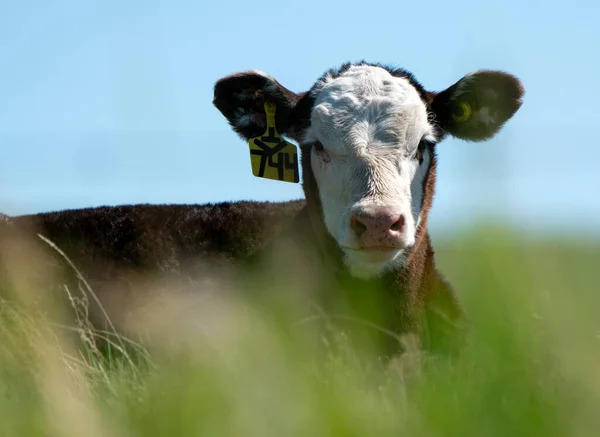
<point x="147" y="238"/>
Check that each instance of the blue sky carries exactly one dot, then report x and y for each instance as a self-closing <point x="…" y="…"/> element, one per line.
<point x="109" y="102"/>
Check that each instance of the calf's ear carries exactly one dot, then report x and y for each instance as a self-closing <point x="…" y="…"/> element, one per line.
<point x="476" y="107"/>
<point x="241" y="97"/>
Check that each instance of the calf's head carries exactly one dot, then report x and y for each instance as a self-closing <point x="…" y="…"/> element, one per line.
<point x="368" y="135"/>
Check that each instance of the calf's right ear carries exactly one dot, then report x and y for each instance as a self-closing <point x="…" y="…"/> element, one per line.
<point x="241" y="97"/>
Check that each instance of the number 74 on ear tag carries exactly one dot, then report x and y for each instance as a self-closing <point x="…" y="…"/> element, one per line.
<point x="271" y="156"/>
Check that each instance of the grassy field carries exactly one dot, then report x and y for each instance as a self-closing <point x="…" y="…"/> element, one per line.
<point x="531" y="368"/>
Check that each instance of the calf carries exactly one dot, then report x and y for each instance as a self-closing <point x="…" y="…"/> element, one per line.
<point x="368" y="135"/>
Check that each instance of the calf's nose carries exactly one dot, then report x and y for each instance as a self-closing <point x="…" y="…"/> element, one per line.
<point x="378" y="229"/>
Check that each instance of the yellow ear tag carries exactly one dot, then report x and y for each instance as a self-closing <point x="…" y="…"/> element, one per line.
<point x="466" y="113"/>
<point x="271" y="156"/>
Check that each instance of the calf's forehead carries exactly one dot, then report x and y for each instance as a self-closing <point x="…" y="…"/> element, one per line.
<point x="368" y="105"/>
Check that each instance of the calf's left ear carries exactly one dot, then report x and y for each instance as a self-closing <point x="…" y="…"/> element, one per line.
<point x="476" y="107"/>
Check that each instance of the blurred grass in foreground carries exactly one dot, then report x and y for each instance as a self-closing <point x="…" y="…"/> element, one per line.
<point x="532" y="366"/>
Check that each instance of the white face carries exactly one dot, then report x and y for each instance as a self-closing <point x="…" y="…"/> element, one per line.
<point x="370" y="181"/>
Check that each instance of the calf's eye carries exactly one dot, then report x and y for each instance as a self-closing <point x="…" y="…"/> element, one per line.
<point x="420" y="150"/>
<point x="321" y="152"/>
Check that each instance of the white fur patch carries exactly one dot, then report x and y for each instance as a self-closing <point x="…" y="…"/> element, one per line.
<point x="263" y="74"/>
<point x="370" y="124"/>
<point x="244" y="118"/>
<point x="486" y="117"/>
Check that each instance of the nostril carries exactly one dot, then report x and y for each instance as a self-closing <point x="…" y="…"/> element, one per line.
<point x="399" y="224"/>
<point x="357" y="226"/>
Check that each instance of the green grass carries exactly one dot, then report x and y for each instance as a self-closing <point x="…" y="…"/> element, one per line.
<point x="531" y="367"/>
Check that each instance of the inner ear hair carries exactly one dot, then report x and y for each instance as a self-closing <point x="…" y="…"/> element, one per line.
<point x="241" y="97"/>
